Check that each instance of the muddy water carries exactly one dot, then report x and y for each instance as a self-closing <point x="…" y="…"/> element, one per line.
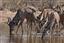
<point x="4" y="33"/>
<point x="27" y="37"/>
<point x="30" y="38"/>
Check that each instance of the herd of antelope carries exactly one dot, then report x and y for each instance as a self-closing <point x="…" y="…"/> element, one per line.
<point x="47" y="19"/>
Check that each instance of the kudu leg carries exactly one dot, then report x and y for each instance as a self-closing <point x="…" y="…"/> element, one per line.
<point x="46" y="28"/>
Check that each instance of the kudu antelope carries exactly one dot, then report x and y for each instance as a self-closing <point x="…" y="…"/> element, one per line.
<point x="27" y="13"/>
<point x="51" y="17"/>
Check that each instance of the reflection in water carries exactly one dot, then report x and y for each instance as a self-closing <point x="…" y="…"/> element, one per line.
<point x="21" y="39"/>
<point x="6" y="39"/>
<point x="4" y="36"/>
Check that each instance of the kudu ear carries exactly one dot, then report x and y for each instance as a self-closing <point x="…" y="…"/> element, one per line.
<point x="9" y="19"/>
